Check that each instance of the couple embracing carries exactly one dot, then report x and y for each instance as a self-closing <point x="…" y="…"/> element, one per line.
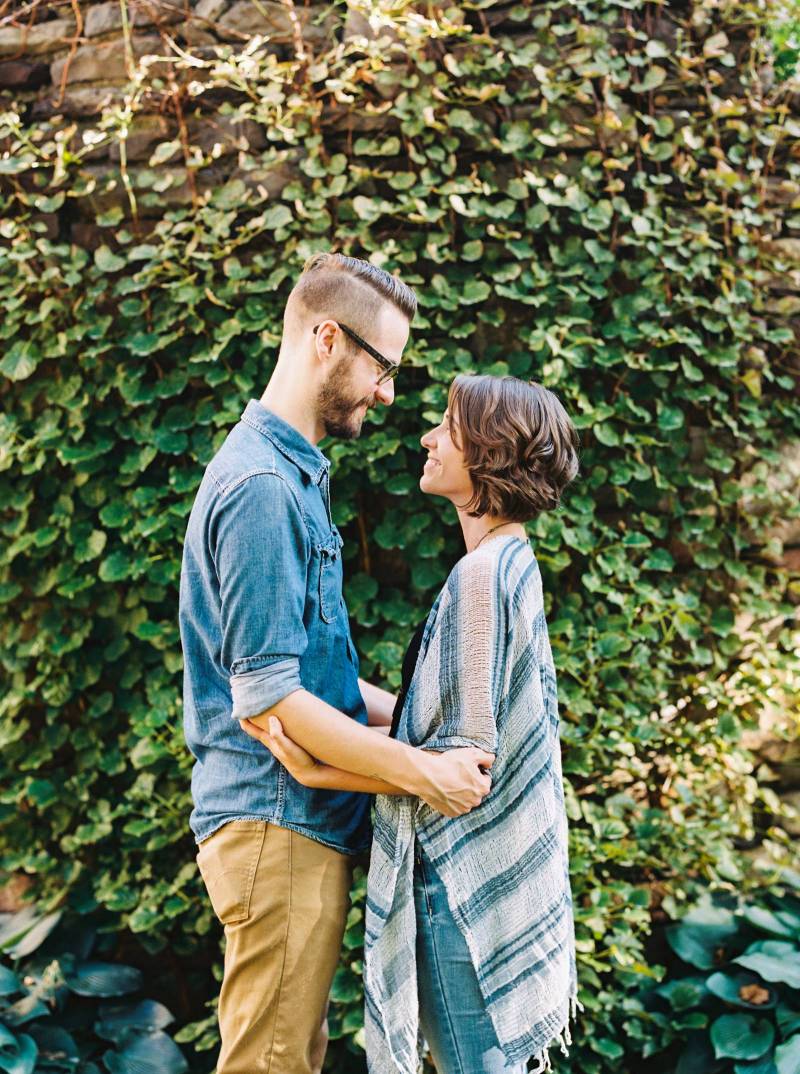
<point x="469" y="931"/>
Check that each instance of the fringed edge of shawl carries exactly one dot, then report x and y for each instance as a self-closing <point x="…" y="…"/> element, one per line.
<point x="563" y="1039"/>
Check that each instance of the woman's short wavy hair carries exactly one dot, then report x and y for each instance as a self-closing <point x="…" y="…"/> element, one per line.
<point x="519" y="445"/>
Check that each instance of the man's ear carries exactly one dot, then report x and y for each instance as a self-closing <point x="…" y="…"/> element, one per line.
<point x="324" y="339"/>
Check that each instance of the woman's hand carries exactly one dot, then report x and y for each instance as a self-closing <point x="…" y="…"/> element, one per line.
<point x="299" y="764"/>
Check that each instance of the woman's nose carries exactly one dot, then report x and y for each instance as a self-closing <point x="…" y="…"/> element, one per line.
<point x="428" y="440"/>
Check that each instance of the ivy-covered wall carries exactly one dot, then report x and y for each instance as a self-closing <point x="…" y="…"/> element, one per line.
<point x="602" y="195"/>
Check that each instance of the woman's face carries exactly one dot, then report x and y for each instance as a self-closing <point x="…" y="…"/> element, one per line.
<point x="445" y="473"/>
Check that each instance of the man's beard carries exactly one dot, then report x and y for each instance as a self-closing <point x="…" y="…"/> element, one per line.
<point x="341" y="415"/>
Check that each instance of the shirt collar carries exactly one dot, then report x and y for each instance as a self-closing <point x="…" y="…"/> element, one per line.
<point x="287" y="440"/>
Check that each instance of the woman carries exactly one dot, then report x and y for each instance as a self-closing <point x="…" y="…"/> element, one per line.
<point x="469" y="932"/>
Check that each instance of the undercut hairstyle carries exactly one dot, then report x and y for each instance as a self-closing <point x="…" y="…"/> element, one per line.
<point x="519" y="445"/>
<point x="349" y="290"/>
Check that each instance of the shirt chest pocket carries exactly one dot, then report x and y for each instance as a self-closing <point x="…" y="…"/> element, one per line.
<point x="330" y="576"/>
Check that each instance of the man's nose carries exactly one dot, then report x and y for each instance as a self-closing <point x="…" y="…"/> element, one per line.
<point x="385" y="392"/>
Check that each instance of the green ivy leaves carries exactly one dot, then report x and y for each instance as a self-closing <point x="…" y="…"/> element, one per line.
<point x="576" y="203"/>
<point x="21" y="360"/>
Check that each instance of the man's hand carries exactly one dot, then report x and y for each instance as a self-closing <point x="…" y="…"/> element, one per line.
<point x="454" y="782"/>
<point x="297" y="762"/>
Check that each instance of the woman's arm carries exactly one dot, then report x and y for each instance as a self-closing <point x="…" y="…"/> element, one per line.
<point x="380" y="704"/>
<point x="302" y="766"/>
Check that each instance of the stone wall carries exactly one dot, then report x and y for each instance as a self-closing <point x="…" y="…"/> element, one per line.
<point x="70" y="61"/>
<point x="72" y="58"/>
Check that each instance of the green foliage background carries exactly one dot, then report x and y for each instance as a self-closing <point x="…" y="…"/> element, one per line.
<point x="784" y="32"/>
<point x="580" y="193"/>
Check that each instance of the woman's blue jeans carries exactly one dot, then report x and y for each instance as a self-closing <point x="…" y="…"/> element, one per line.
<point x="453" y="1016"/>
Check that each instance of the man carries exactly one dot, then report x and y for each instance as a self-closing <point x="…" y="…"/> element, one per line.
<point x="264" y="629"/>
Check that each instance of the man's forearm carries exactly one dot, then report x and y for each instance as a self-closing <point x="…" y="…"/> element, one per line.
<point x="380" y="704"/>
<point x="340" y="742"/>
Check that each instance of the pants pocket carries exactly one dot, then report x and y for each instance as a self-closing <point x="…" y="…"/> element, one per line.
<point x="228" y="861"/>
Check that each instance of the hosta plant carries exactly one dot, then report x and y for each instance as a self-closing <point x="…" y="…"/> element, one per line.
<point x="62" y="1010"/>
<point x="733" y="998"/>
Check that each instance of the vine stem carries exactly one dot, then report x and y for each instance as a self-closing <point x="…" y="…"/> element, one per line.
<point x="130" y="67"/>
<point x="73" y="48"/>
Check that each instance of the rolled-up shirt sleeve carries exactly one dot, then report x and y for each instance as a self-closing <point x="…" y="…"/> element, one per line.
<point x="261" y="549"/>
<point x="254" y="692"/>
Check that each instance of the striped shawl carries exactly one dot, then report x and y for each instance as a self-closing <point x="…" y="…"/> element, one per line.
<point x="484" y="677"/>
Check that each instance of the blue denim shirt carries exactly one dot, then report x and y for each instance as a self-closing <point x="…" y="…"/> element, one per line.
<point x="261" y="615"/>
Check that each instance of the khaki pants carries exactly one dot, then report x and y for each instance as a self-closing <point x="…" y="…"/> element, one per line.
<point x="283" y="899"/>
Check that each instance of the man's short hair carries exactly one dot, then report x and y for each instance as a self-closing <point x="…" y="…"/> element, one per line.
<point x="519" y="445"/>
<point x="348" y="290"/>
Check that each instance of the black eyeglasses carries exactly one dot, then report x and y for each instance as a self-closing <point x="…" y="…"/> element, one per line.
<point x="390" y="369"/>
